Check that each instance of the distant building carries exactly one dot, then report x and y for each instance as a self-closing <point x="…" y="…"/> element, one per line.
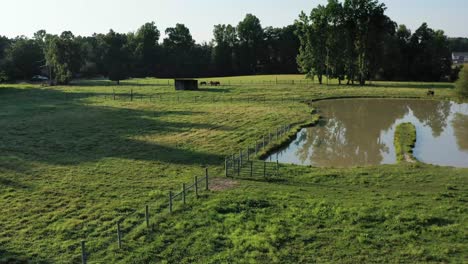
<point x="186" y="84"/>
<point x="459" y="58"/>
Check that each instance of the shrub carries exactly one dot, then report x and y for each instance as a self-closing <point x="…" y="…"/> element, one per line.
<point x="462" y="84"/>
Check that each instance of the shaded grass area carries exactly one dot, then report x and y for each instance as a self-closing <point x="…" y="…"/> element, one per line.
<point x="74" y="162"/>
<point x="405" y="140"/>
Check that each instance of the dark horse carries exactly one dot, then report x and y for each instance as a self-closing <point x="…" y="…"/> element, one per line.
<point x="430" y="93"/>
<point x="215" y="83"/>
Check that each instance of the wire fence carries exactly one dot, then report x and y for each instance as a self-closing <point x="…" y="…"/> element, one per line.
<point x="131" y="96"/>
<point x="125" y="225"/>
<point x="244" y="164"/>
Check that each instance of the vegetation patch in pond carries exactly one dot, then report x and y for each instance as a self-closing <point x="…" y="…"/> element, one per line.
<point x="405" y="140"/>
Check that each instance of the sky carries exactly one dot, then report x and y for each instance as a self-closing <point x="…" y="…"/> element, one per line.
<point x="85" y="17"/>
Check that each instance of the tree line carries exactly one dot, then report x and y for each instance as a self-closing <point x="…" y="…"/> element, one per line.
<point x="245" y="49"/>
<point x="352" y="40"/>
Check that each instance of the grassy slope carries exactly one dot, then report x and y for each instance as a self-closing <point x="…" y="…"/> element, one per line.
<point x="73" y="163"/>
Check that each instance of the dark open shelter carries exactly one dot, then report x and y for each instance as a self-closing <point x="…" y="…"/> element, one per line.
<point x="186" y="84"/>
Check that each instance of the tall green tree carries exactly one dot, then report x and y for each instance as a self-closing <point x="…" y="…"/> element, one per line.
<point x="146" y="49"/>
<point x="4" y="44"/>
<point x="178" y="47"/>
<point x="313" y="33"/>
<point x="224" y="51"/>
<point x="63" y="55"/>
<point x="117" y="56"/>
<point x="24" y="58"/>
<point x="251" y="44"/>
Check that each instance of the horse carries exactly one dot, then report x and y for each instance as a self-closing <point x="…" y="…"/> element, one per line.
<point x="430" y="93"/>
<point x="203" y="83"/>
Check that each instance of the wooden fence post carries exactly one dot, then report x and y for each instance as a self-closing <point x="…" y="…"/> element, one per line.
<point x="147" y="216"/>
<point x="131" y="94"/>
<point x="183" y="193"/>
<point x="263" y="141"/>
<point x="113" y="93"/>
<point x="196" y="187"/>
<point x="206" y="179"/>
<point x="170" y="201"/>
<point x="264" y="168"/>
<point x="238" y="167"/>
<point x="256" y="147"/>
<point x="119" y="236"/>
<point x="83" y="252"/>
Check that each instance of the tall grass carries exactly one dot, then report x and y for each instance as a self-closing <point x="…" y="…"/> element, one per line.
<point x="462" y="84"/>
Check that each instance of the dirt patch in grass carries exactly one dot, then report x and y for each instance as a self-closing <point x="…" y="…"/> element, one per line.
<point x="221" y="184"/>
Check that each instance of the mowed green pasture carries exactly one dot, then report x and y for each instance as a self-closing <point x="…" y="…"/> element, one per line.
<point x="74" y="162"/>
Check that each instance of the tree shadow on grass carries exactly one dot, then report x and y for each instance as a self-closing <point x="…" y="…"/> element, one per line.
<point x="36" y="126"/>
<point x="416" y="85"/>
<point x="7" y="257"/>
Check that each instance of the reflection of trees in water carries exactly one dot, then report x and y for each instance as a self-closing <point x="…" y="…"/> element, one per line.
<point x="352" y="134"/>
<point x="460" y="127"/>
<point x="433" y="114"/>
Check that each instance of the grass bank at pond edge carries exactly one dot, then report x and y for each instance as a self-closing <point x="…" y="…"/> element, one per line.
<point x="405" y="140"/>
<point x="290" y="136"/>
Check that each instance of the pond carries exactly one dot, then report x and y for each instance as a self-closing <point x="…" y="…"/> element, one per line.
<point x="359" y="132"/>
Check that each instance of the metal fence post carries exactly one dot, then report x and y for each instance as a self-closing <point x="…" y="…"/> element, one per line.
<point x="277" y="166"/>
<point x="251" y="168"/>
<point x="170" y="201"/>
<point x="196" y="187"/>
<point x="119" y="236"/>
<point x="83" y="252"/>
<point x="226" y="167"/>
<point x="183" y="193"/>
<point x="206" y="179"/>
<point x="147" y="216"/>
<point x="240" y="157"/>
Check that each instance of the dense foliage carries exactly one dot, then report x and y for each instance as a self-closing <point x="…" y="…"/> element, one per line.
<point x="462" y="84"/>
<point x="352" y="40"/>
<point x="356" y="41"/>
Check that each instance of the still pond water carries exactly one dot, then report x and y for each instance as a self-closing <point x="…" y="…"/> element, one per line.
<point x="359" y="132"/>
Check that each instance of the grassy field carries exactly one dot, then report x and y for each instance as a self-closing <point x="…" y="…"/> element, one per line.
<point x="74" y="162"/>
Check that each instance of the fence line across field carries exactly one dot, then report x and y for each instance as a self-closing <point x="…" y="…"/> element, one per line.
<point x="236" y="165"/>
<point x="197" y="186"/>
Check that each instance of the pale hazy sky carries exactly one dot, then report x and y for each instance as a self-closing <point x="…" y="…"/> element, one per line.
<point x="84" y="17"/>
